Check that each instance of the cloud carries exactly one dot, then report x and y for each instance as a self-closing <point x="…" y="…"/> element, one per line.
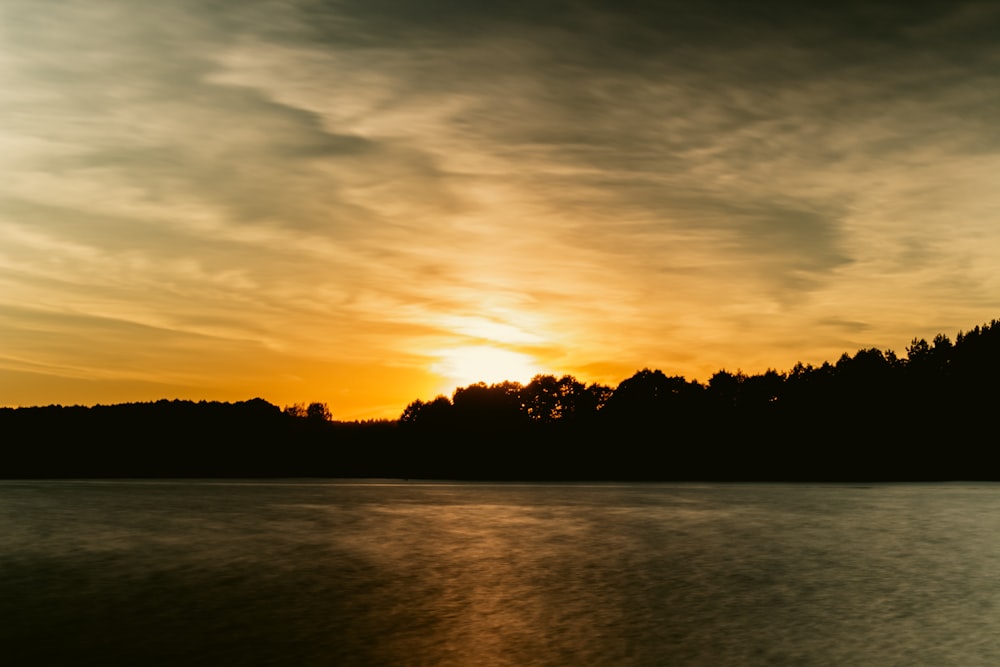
<point x="609" y="184"/>
<point x="723" y="144"/>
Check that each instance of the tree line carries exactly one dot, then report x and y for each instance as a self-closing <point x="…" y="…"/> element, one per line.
<point x="872" y="415"/>
<point x="928" y="414"/>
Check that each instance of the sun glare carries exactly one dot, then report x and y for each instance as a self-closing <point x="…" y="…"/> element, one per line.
<point x="462" y="366"/>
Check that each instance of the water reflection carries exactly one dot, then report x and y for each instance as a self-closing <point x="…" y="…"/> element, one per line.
<point x="423" y="574"/>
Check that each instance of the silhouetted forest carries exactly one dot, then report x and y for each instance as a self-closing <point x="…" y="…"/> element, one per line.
<point x="869" y="416"/>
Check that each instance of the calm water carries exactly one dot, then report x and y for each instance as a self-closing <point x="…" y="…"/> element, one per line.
<point x="291" y="573"/>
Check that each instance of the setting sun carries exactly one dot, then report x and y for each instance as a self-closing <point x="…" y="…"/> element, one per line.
<point x="463" y="366"/>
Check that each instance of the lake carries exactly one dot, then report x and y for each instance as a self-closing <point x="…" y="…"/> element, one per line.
<point x="394" y="573"/>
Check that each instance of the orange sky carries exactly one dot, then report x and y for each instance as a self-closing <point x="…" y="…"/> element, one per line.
<point x="363" y="204"/>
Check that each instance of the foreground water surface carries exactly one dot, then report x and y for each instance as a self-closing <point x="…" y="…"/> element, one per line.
<point x="382" y="573"/>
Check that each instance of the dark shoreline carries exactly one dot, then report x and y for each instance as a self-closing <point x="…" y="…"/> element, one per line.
<point x="179" y="439"/>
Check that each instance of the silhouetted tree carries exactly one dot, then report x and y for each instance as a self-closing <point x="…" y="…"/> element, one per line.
<point x="724" y="389"/>
<point x="318" y="412"/>
<point x="487" y="407"/>
<point x="597" y="397"/>
<point x="435" y="414"/>
<point x="547" y="399"/>
<point x="296" y="410"/>
<point x="761" y="392"/>
<point x="652" y="396"/>
<point x="411" y="413"/>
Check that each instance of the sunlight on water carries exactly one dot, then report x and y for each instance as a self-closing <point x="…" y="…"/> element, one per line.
<point x="290" y="573"/>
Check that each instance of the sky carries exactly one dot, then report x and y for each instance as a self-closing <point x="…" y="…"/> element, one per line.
<point x="365" y="202"/>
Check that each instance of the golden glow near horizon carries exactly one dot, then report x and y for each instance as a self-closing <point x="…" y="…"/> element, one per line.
<point x="462" y="366"/>
<point x="493" y="351"/>
<point x="363" y="205"/>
